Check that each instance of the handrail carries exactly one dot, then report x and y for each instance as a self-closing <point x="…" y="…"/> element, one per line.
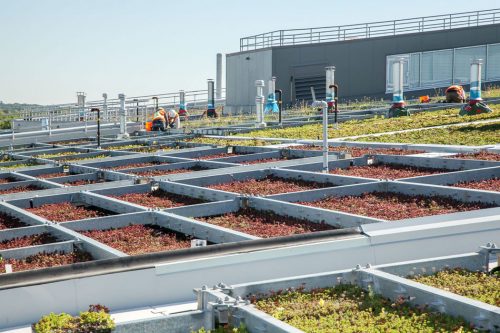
<point x="369" y="30"/>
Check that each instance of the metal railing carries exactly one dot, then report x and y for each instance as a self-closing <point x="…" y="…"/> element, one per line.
<point x="139" y="108"/>
<point x="370" y="30"/>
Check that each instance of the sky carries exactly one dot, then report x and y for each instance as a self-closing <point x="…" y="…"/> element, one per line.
<point x="50" y="49"/>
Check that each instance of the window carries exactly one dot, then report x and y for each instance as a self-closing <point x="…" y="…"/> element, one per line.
<point x="493" y="66"/>
<point x="463" y="58"/>
<point x="441" y="68"/>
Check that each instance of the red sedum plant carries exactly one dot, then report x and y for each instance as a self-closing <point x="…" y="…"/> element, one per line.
<point x="140" y="239"/>
<point x="66" y="211"/>
<point x="360" y="151"/>
<point x="45" y="260"/>
<point x="483" y="155"/>
<point x="8" y="222"/>
<point x="264" y="224"/>
<point x="395" y="206"/>
<point x="158" y="172"/>
<point x="25" y="241"/>
<point x="386" y="171"/>
<point x="485" y="185"/>
<point x="19" y="189"/>
<point x="158" y="199"/>
<point x="268" y="186"/>
<point x="136" y="165"/>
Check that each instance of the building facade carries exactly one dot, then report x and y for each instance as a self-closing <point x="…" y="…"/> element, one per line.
<point x="435" y="57"/>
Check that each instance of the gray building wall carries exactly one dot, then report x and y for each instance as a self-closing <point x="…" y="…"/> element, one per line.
<point x="360" y="64"/>
<point x="242" y="70"/>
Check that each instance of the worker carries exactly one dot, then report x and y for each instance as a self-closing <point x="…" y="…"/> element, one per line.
<point x="211" y="112"/>
<point x="183" y="114"/>
<point x="455" y="94"/>
<point x="159" y="120"/>
<point x="173" y="119"/>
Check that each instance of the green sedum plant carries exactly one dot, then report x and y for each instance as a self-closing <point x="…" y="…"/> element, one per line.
<point x="374" y="125"/>
<point x="473" y="135"/>
<point x="55" y="323"/>
<point x="477" y="285"/>
<point x="348" y="308"/>
<point x="96" y="320"/>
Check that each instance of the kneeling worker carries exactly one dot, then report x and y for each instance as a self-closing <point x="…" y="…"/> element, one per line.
<point x="455" y="94"/>
<point x="173" y="119"/>
<point x="159" y="119"/>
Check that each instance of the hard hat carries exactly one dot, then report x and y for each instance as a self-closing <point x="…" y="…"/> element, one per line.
<point x="161" y="109"/>
<point x="182" y="106"/>
<point x="210" y="106"/>
<point x="171" y="113"/>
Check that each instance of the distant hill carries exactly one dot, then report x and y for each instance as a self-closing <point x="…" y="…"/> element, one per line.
<point x="13" y="107"/>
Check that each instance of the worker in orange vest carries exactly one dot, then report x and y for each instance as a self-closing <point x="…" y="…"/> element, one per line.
<point x="455" y="94"/>
<point x="159" y="120"/>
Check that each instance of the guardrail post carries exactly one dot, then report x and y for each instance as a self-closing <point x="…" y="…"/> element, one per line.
<point x="218" y="77"/>
<point x="50" y="122"/>
<point x="123" y="116"/>
<point x="259" y="104"/>
<point x="105" y="106"/>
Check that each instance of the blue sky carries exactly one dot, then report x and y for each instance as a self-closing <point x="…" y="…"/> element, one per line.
<point x="52" y="48"/>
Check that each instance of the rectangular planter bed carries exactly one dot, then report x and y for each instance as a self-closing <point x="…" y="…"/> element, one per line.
<point x="9" y="179"/>
<point x="55" y="155"/>
<point x="399" y="167"/>
<point x="487" y="179"/>
<point x="205" y="153"/>
<point x="82" y="157"/>
<point x="45" y="260"/>
<point x="8" y="222"/>
<point x="131" y="161"/>
<point x="391" y="201"/>
<point x="395" y="206"/>
<point x="18" y="164"/>
<point x="476" y="285"/>
<point x="82" y="182"/>
<point x="264" y="224"/>
<point x="158" y="199"/>
<point x="266" y="182"/>
<point x="483" y="185"/>
<point x="349" y="308"/>
<point x="386" y="171"/>
<point x="67" y="211"/>
<point x="18" y="189"/>
<point x="360" y="151"/>
<point x="140" y="239"/>
<point x="164" y="172"/>
<point x="28" y="240"/>
<point x="268" y="185"/>
<point x="483" y="155"/>
<point x="53" y="175"/>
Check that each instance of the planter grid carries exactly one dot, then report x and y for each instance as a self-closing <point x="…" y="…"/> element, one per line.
<point x="225" y="304"/>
